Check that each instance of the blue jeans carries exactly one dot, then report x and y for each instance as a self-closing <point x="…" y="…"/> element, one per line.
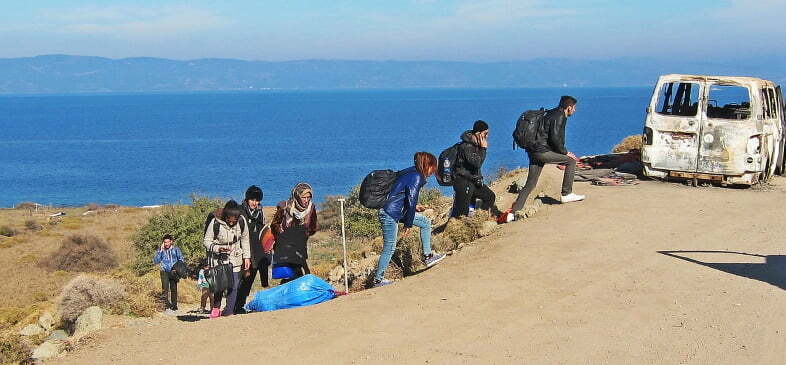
<point x="390" y="235"/>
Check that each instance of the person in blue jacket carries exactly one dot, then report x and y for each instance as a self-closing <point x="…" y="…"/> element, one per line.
<point x="402" y="207"/>
<point x="166" y="257"/>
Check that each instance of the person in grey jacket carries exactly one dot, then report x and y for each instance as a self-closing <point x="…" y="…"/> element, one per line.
<point x="232" y="246"/>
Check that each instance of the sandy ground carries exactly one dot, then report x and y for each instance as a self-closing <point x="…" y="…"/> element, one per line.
<point x="587" y="282"/>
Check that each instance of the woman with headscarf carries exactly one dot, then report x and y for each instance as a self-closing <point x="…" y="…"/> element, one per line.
<point x="294" y="222"/>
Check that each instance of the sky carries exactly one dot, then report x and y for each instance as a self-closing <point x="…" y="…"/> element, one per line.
<point x="455" y="30"/>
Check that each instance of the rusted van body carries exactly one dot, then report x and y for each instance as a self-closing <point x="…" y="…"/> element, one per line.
<point x="727" y="130"/>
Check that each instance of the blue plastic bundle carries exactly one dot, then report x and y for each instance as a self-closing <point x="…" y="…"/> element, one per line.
<point x="303" y="291"/>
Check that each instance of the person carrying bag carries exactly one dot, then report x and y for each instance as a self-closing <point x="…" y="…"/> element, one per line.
<point x="228" y="251"/>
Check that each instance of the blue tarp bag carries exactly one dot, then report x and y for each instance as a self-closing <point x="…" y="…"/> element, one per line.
<point x="303" y="291"/>
<point x="282" y="271"/>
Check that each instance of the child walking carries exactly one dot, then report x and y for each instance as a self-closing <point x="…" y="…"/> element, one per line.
<point x="203" y="285"/>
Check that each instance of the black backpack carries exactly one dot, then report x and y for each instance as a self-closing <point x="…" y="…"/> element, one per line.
<point x="375" y="188"/>
<point x="527" y="129"/>
<point x="179" y="271"/>
<point x="446" y="165"/>
<point x="217" y="227"/>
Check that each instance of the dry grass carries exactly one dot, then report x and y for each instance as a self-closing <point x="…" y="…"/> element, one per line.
<point x="13" y="350"/>
<point x="12" y="241"/>
<point x="84" y="253"/>
<point x="33" y="225"/>
<point x="41" y="284"/>
<point x="463" y="230"/>
<point x="7" y="231"/>
<point x="21" y="316"/>
<point x="144" y="292"/>
<point x="629" y="143"/>
<point x="86" y="291"/>
<point x="325" y="251"/>
<point x="26" y="206"/>
<point x="122" y="292"/>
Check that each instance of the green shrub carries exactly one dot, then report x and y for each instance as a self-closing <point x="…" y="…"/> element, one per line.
<point x="361" y="222"/>
<point x="184" y="223"/>
<point x="330" y="213"/>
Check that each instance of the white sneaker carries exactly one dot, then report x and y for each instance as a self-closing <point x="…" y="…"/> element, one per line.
<point x="572" y="197"/>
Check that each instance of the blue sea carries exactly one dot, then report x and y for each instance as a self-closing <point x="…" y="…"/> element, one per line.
<point x="143" y="149"/>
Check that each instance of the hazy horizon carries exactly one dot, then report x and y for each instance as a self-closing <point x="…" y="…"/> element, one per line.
<point x="407" y="30"/>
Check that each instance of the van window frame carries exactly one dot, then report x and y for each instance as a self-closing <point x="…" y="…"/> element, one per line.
<point x="696" y="92"/>
<point x="708" y="96"/>
<point x="771" y="99"/>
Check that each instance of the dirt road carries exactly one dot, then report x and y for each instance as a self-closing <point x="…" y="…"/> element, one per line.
<point x="579" y="283"/>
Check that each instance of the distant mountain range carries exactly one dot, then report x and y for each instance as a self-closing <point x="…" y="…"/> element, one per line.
<point x="83" y="74"/>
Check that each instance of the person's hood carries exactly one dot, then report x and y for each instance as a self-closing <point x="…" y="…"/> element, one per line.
<point x="217" y="215"/>
<point x="467" y="137"/>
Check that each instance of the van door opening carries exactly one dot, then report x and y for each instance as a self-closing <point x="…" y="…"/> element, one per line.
<point x="722" y="132"/>
<point x="676" y="124"/>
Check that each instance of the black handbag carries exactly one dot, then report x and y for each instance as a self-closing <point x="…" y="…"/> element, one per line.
<point x="179" y="271"/>
<point x="219" y="277"/>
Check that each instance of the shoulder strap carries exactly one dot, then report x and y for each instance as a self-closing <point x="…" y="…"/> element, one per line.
<point x="242" y="224"/>
<point x="210" y="256"/>
<point x="216" y="228"/>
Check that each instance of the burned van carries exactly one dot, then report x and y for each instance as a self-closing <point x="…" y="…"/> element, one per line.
<point x="727" y="130"/>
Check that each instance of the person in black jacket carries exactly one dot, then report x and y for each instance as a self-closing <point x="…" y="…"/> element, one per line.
<point x="260" y="261"/>
<point x="550" y="149"/>
<point x="468" y="185"/>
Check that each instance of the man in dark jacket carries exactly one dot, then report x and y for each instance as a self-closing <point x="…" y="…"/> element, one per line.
<point x="468" y="185"/>
<point x="260" y="261"/>
<point x="550" y="149"/>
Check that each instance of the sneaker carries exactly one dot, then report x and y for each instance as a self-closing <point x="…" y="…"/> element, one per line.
<point x="505" y="217"/>
<point x="383" y="282"/>
<point x="433" y="259"/>
<point x="215" y="313"/>
<point x="241" y="311"/>
<point x="169" y="312"/>
<point x="572" y="197"/>
<point x="174" y="307"/>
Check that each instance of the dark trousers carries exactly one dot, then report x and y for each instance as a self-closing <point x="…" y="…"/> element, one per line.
<point x="536" y="162"/>
<point x="247" y="281"/>
<point x="465" y="192"/>
<point x="231" y="294"/>
<point x="299" y="271"/>
<point x="206" y="295"/>
<point x="168" y="289"/>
